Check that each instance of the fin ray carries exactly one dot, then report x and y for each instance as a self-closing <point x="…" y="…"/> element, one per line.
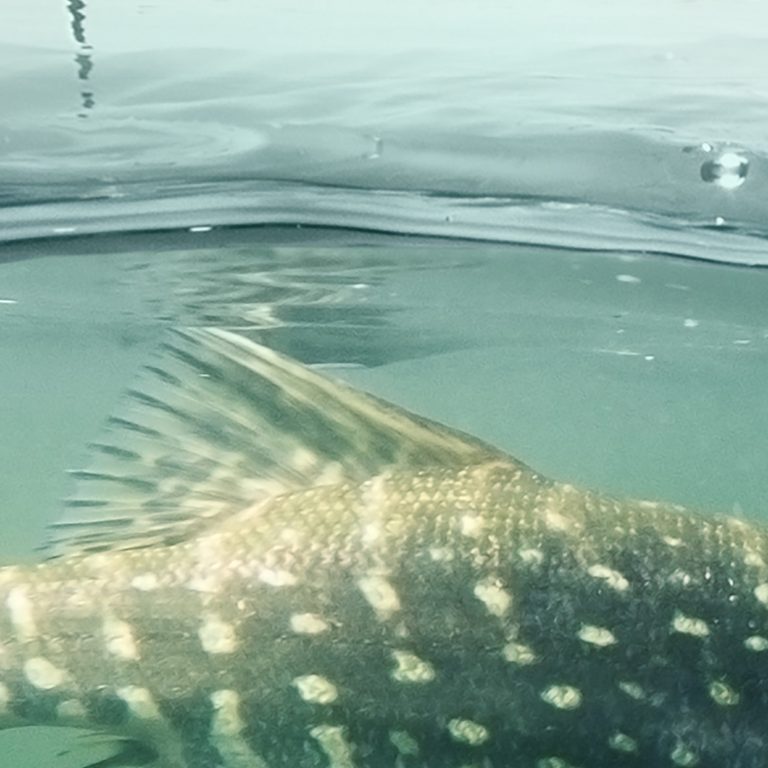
<point x="218" y="424"/>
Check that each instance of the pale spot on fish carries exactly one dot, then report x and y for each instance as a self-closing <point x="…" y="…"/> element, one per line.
<point x="518" y="653"/>
<point x="22" y="615"/>
<point x="145" y="582"/>
<point x="140" y="702"/>
<point x="689" y="625"/>
<point x="552" y="762"/>
<point x="562" y="696"/>
<point x="43" y="674"/>
<point x="333" y="741"/>
<point x="308" y="624"/>
<point x="380" y="594"/>
<point x="217" y="636"/>
<point x="531" y="556"/>
<point x="596" y="635"/>
<point x="371" y="533"/>
<point x="440" y="554"/>
<point x="71" y="709"/>
<point x="622" y="743"/>
<point x="276" y="577"/>
<point x="404" y="743"/>
<point x="754" y="560"/>
<point x="472" y="526"/>
<point x="226" y="720"/>
<point x="491" y="593"/>
<point x="756" y="643"/>
<point x="468" y="732"/>
<point x="226" y="726"/>
<point x="723" y="694"/>
<point x="316" y="689"/>
<point x="119" y="639"/>
<point x="672" y="541"/>
<point x="761" y="593"/>
<point x="633" y="690"/>
<point x="555" y="521"/>
<point x="683" y="756"/>
<point x="614" y="579"/>
<point x="374" y="498"/>
<point x="411" y="668"/>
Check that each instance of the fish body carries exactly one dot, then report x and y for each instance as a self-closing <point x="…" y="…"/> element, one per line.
<point x="264" y="569"/>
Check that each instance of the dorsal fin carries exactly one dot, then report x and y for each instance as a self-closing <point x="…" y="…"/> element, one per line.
<point x="220" y="423"/>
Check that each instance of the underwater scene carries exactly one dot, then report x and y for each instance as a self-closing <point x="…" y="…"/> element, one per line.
<point x="383" y="384"/>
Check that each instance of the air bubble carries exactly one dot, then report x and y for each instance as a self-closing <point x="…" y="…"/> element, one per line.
<point x="728" y="170"/>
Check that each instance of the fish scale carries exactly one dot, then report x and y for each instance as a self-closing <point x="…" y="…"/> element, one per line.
<point x="421" y="600"/>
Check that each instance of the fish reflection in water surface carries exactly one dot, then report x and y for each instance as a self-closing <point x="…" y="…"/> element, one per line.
<point x="266" y="569"/>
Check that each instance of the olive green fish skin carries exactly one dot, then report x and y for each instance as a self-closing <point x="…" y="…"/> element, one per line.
<point x="480" y="617"/>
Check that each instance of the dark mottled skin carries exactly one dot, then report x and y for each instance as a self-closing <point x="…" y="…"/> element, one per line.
<point x="565" y="559"/>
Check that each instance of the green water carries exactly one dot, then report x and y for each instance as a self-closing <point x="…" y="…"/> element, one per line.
<point x="642" y="376"/>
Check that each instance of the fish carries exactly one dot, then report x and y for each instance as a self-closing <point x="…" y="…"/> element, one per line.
<point x="264" y="568"/>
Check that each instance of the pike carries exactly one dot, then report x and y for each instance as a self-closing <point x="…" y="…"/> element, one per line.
<point x="266" y="569"/>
